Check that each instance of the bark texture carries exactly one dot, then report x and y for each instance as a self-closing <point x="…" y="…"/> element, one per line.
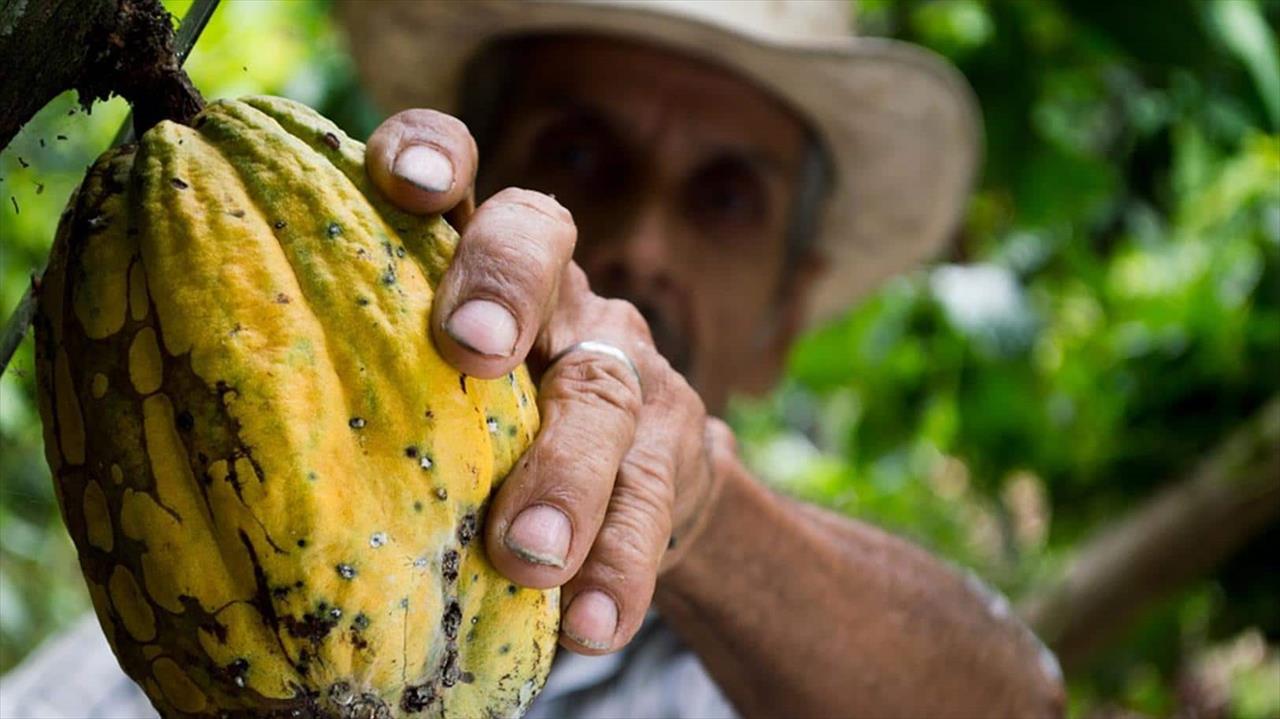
<point x="96" y="47"/>
<point x="1179" y="534"/>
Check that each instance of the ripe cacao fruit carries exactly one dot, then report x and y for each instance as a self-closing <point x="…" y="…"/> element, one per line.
<point x="273" y="481"/>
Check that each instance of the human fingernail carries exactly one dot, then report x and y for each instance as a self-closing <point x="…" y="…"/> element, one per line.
<point x="484" y="327"/>
<point x="591" y="620"/>
<point x="425" y="168"/>
<point x="540" y="534"/>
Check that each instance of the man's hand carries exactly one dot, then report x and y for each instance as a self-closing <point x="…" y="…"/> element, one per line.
<point x="620" y="477"/>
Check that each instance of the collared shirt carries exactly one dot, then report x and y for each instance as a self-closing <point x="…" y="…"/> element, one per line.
<point x="75" y="676"/>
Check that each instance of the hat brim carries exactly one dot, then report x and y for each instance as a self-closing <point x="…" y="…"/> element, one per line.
<point x="901" y="124"/>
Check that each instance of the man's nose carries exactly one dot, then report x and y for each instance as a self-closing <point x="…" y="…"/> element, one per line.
<point x="640" y="258"/>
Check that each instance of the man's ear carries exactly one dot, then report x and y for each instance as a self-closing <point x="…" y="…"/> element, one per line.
<point x="780" y="328"/>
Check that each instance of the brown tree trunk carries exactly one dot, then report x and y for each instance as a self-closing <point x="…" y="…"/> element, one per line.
<point x="1178" y="535"/>
<point x="96" y="47"/>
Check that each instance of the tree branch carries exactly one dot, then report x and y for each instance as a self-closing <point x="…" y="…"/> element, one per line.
<point x="98" y="48"/>
<point x="1174" y="537"/>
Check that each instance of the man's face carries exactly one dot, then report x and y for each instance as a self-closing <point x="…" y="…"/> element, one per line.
<point x="681" y="178"/>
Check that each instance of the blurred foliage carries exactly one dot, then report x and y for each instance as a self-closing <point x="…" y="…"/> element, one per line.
<point x="1111" y="310"/>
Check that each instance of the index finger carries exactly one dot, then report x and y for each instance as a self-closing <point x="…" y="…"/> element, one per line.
<point x="423" y="161"/>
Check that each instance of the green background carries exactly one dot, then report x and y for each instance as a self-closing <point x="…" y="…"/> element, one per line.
<point x="1110" y="311"/>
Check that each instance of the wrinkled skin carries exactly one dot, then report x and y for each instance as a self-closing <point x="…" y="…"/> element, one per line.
<point x="673" y="179"/>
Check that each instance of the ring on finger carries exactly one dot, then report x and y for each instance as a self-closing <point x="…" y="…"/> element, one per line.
<point x="601" y="348"/>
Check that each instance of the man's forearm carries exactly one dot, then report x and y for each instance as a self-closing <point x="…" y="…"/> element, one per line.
<point x="797" y="612"/>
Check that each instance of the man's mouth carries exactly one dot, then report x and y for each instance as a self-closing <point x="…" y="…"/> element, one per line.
<point x="669" y="334"/>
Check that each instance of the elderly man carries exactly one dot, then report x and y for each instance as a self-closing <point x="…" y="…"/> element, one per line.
<point x="731" y="172"/>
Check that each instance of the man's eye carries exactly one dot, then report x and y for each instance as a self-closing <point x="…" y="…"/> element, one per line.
<point x="573" y="152"/>
<point x="577" y="157"/>
<point x="728" y="196"/>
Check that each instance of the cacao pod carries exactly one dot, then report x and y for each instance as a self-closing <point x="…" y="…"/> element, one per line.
<point x="273" y="481"/>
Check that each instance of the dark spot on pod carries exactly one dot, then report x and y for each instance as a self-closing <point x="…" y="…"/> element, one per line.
<point x="236" y="213"/>
<point x="442" y="493"/>
<point x="452" y="620"/>
<point x="361" y="621"/>
<point x="60" y="137"/>
<point x="334" y="229"/>
<point x="449" y="565"/>
<point x="185" y="421"/>
<point x="475" y="620"/>
<point x="302" y="543"/>
<point x="504" y="648"/>
<point x="303" y="664"/>
<point x="430" y="414"/>
<point x="416" y="698"/>
<point x="462" y="382"/>
<point x="178" y="183"/>
<point x="279" y="224"/>
<point x="298" y="584"/>
<point x="346" y="571"/>
<point x="314" y="626"/>
<point x="362" y="301"/>
<point x="281" y="592"/>
<point x="411" y="452"/>
<point x="386" y="247"/>
<point x="449" y="672"/>
<point x="404" y="602"/>
<point x="97" y="222"/>
<point x="467" y="529"/>
<point x="492" y="424"/>
<point x="671" y="543"/>
<point x="335" y="613"/>
<point x="312" y="476"/>
<point x="42" y="142"/>
<point x="331" y="141"/>
<point x="23" y="162"/>
<point x="16" y="209"/>
<point x="400" y="251"/>
<point x="417" y="506"/>
<point x="340" y="694"/>
<point x="356" y="423"/>
<point x="389" y="276"/>
<point x="467" y="677"/>
<point x="512" y="589"/>
<point x="282" y="298"/>
<point x="236" y="671"/>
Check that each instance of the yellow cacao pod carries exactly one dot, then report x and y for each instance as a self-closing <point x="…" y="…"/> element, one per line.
<point x="273" y="481"/>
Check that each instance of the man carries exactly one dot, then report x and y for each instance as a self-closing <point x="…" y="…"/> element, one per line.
<point x="677" y="158"/>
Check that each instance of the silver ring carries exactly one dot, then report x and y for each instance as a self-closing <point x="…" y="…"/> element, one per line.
<point x="603" y="348"/>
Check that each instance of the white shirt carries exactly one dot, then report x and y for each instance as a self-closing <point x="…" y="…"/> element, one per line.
<point x="75" y="676"/>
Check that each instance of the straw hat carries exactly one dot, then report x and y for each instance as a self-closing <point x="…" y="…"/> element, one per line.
<point x="901" y="124"/>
